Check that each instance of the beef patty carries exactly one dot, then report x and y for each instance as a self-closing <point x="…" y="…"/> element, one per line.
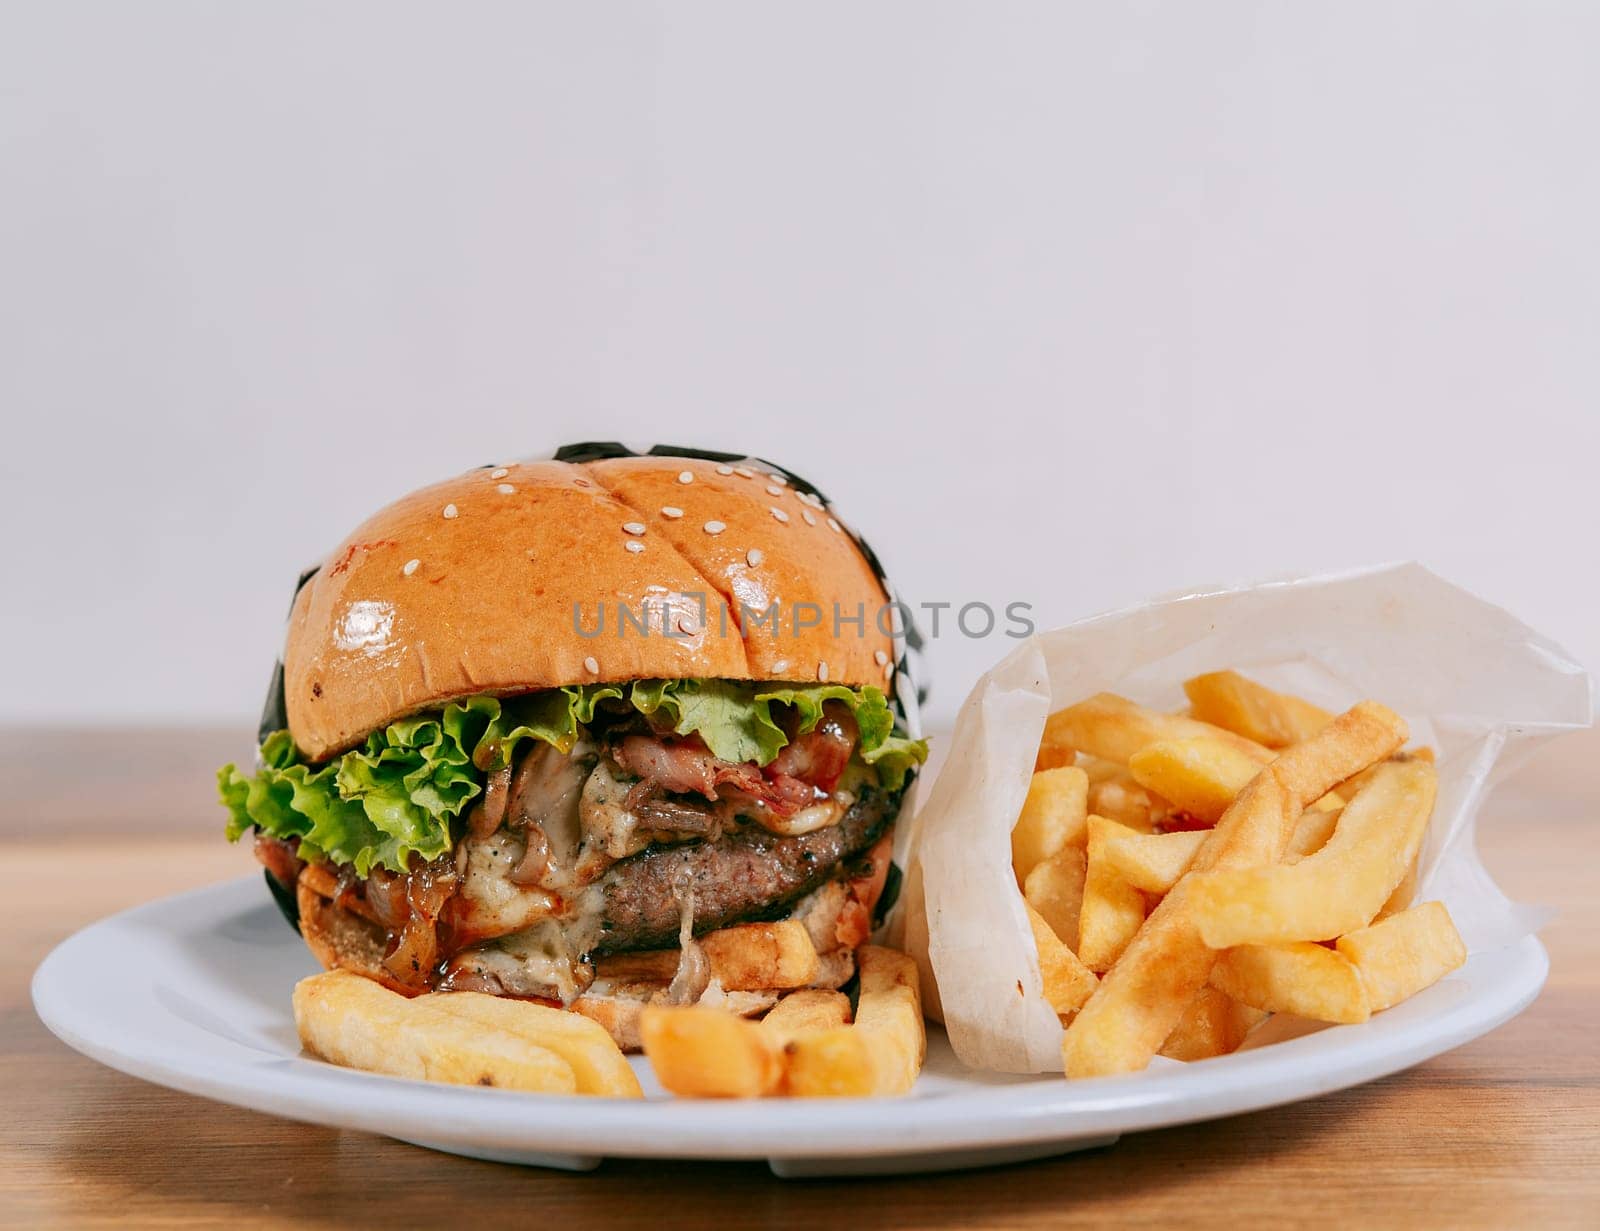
<point x="744" y="875"/>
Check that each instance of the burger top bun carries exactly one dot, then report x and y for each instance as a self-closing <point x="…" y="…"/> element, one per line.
<point x="542" y="574"/>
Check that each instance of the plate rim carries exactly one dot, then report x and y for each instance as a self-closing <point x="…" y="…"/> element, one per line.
<point x="1024" y="1112"/>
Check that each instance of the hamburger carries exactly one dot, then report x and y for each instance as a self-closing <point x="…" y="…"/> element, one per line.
<point x="538" y="720"/>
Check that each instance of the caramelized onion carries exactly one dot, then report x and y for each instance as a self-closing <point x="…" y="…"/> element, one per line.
<point x="429" y="887"/>
<point x="408" y="908"/>
<point x="535" y="862"/>
<point x="386" y="895"/>
<point x="415" y="951"/>
<point x="485" y="818"/>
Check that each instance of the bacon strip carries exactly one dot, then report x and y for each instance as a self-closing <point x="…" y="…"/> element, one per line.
<point x="806" y="769"/>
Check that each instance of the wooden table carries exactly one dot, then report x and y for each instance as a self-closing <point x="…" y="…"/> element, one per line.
<point x="1503" y="1132"/>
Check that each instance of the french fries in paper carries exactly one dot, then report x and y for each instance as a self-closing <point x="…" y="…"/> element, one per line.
<point x="1479" y="679"/>
<point x="1241" y="903"/>
<point x="1336" y="890"/>
<point x="1143" y="996"/>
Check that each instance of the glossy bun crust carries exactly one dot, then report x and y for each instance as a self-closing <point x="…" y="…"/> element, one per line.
<point x="469" y="586"/>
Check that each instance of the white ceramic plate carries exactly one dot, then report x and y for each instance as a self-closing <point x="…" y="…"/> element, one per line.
<point x="192" y="992"/>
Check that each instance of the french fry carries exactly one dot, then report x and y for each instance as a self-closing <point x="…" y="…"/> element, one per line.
<point x="1311" y="833"/>
<point x="753" y="955"/>
<point x="1405" y="953"/>
<point x="1052" y="818"/>
<point x="1112" y="909"/>
<point x="1143" y="996"/>
<point x="349" y="1020"/>
<point x="1274" y="719"/>
<point x="1308" y="980"/>
<point x="1404" y="895"/>
<point x="706" y="1053"/>
<point x="1365" y="733"/>
<point x="1153" y="862"/>
<point x="1201" y="777"/>
<point x="744" y="957"/>
<point x="1214" y="1024"/>
<point x="882" y="1052"/>
<point x="1114" y="728"/>
<point x="1338" y="889"/>
<point x="1055" y="889"/>
<point x="1355" y="783"/>
<point x="807" y="1010"/>
<point x="1098" y="769"/>
<point x="1053" y="752"/>
<point x="597" y="1064"/>
<point x="1067" y="981"/>
<point x="1123" y="800"/>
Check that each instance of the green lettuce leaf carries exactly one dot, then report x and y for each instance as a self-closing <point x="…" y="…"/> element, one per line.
<point x="395" y="797"/>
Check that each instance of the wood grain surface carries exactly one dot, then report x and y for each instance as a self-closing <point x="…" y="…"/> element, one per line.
<point x="1504" y="1132"/>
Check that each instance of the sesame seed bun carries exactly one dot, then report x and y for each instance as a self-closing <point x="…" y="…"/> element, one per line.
<point x="469" y="586"/>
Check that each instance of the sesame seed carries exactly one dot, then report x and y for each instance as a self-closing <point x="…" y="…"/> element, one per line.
<point x="501" y="473"/>
<point x="778" y="478"/>
<point x="670" y="512"/>
<point x="411" y="567"/>
<point x="780" y="515"/>
<point x="582" y="483"/>
<point x="724" y="469"/>
<point x="633" y="527"/>
<point x="450" y="511"/>
<point x="774" y="490"/>
<point x="810" y="498"/>
<point x="714" y="527"/>
<point x="808" y="515"/>
<point x="888" y="670"/>
<point x="880" y="657"/>
<point x="592" y="667"/>
<point x="686" y="476"/>
<point x="634" y="545"/>
<point x="835" y="526"/>
<point x="781" y="665"/>
<point x="744" y="472"/>
<point x="755" y="555"/>
<point x="822" y="672"/>
<point x="505" y="489"/>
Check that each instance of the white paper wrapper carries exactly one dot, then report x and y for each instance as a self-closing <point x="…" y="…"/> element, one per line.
<point x="1472" y="681"/>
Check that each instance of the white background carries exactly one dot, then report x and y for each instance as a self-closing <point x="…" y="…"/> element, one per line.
<point x="1069" y="304"/>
